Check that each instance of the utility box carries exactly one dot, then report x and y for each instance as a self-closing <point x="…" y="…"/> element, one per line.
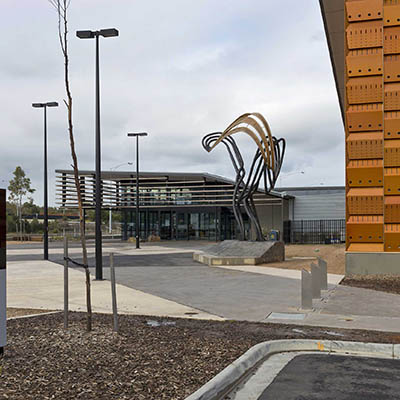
<point x="3" y="319"/>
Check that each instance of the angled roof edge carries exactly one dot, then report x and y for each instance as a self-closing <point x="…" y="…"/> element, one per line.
<point x="200" y="175"/>
<point x="333" y="16"/>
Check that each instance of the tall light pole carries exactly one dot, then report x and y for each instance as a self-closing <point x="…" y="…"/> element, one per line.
<point x="45" y="208"/>
<point x="137" y="233"/>
<point x="95" y="35"/>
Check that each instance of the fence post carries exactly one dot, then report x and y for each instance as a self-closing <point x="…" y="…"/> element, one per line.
<point x="306" y="290"/>
<point x="65" y="282"/>
<point x="113" y="293"/>
<point x="316" y="281"/>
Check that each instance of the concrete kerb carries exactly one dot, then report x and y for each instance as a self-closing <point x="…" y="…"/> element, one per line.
<point x="218" y="386"/>
<point x="34" y="315"/>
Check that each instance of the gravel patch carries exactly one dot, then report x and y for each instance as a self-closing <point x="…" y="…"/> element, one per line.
<point x="169" y="359"/>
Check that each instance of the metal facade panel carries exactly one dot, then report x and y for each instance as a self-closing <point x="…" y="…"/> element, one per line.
<point x="392" y="209"/>
<point x="392" y="181"/>
<point x="365" y="90"/>
<point x="391" y="13"/>
<point x="364" y="35"/>
<point x="363" y="10"/>
<point x="365" y="247"/>
<point x="392" y="153"/>
<point x="392" y="40"/>
<point x="365" y="229"/>
<point x="392" y="125"/>
<point x="392" y="96"/>
<point x="364" y="62"/>
<point x="365" y="201"/>
<point x="392" y="237"/>
<point x="365" y="145"/>
<point x="365" y="117"/>
<point x="392" y="68"/>
<point x="365" y="173"/>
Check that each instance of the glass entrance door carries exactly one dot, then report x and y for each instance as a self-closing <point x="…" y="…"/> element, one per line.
<point x="165" y="225"/>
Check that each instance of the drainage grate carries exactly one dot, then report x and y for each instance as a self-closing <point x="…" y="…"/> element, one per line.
<point x="295" y="316"/>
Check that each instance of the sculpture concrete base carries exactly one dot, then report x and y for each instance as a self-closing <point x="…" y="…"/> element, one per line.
<point x="235" y="252"/>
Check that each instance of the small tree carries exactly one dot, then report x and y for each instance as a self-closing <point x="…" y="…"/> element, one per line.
<point x="61" y="7"/>
<point x="19" y="188"/>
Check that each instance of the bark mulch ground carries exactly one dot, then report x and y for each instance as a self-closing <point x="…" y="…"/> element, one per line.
<point x="383" y="283"/>
<point x="42" y="361"/>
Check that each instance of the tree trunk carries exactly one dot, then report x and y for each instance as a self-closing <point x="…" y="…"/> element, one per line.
<point x="62" y="6"/>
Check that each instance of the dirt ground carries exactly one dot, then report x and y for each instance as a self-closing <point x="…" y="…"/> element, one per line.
<point x="300" y="256"/>
<point x="150" y="358"/>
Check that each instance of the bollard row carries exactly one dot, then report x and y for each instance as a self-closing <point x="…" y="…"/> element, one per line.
<point x="312" y="283"/>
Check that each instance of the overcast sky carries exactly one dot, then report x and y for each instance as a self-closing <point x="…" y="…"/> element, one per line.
<point x="178" y="70"/>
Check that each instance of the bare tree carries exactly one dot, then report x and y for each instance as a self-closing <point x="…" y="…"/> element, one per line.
<point x="61" y="7"/>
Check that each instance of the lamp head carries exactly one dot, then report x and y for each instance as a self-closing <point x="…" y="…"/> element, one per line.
<point x="85" y="34"/>
<point x="134" y="134"/>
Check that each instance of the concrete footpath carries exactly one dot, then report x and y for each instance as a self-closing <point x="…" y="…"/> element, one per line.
<point x="39" y="285"/>
<point x="163" y="280"/>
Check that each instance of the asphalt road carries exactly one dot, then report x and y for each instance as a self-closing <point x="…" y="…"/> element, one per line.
<point x="323" y="377"/>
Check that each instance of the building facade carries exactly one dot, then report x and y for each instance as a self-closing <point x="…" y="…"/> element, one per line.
<point x="364" y="42"/>
<point x="177" y="206"/>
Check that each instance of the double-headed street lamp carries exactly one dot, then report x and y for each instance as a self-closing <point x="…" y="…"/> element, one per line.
<point x="137" y="233"/>
<point x="95" y="35"/>
<point x="46" y="211"/>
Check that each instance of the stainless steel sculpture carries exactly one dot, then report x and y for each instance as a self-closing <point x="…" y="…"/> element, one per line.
<point x="266" y="164"/>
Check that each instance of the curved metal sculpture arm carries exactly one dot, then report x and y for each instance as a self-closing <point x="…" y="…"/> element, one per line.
<point x="267" y="163"/>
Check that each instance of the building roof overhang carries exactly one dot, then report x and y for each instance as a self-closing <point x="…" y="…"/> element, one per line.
<point x="333" y="15"/>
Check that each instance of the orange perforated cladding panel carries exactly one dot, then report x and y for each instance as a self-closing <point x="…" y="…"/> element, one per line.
<point x="364" y="34"/>
<point x="392" y="153"/>
<point x="365" y="117"/>
<point x="367" y="173"/>
<point x="366" y="247"/>
<point x="363" y="10"/>
<point x="392" y="68"/>
<point x="392" y="237"/>
<point x="392" y="209"/>
<point x="365" y="145"/>
<point x="365" y="228"/>
<point x="392" y="96"/>
<point x="365" y="90"/>
<point x="392" y="181"/>
<point x="391" y="14"/>
<point x="362" y="201"/>
<point x="364" y="62"/>
<point x="392" y="40"/>
<point x="392" y="125"/>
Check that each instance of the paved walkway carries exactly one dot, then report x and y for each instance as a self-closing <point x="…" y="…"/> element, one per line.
<point x="39" y="285"/>
<point x="164" y="280"/>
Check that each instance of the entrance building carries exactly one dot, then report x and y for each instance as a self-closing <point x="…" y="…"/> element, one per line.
<point x="173" y="206"/>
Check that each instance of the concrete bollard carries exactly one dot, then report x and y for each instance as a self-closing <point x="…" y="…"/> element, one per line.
<point x="306" y="290"/>
<point x="316" y="281"/>
<point x="324" y="273"/>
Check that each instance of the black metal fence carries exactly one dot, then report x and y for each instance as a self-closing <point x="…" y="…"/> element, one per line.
<point x="321" y="231"/>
